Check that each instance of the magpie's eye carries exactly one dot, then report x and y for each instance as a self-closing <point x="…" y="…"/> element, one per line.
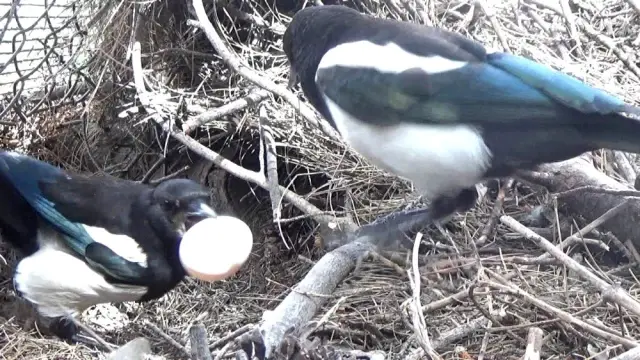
<point x="169" y="205"/>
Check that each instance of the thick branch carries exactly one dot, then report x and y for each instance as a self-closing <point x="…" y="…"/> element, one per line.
<point x="579" y="172"/>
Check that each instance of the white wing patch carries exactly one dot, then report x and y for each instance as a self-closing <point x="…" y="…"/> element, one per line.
<point x="389" y="58"/>
<point x="15" y="155"/>
<point x="60" y="284"/>
<point x="122" y="245"/>
<point x="438" y="159"/>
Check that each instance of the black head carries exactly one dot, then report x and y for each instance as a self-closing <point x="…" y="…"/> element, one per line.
<point x="183" y="201"/>
<point x="311" y="32"/>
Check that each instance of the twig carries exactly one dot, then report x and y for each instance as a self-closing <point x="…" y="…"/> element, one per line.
<point x="248" y="73"/>
<point x="598" y="190"/>
<point x="485" y="341"/>
<point x="635" y="257"/>
<point x="152" y="170"/>
<point x="198" y="339"/>
<point x="461" y="332"/>
<point x="224" y="110"/>
<point x="268" y="149"/>
<point x="223" y="351"/>
<point x="626" y="169"/>
<point x="93" y="334"/>
<point x="577" y="237"/>
<point x="609" y="292"/>
<point x="457" y="297"/>
<point x="495" y="214"/>
<point x="559" y="313"/>
<point x="417" y="318"/>
<point x="174" y="174"/>
<point x="229" y="337"/>
<point x="168" y="338"/>
<point x="534" y="344"/>
<point x="495" y="24"/>
<point x="453" y="335"/>
<point x="635" y="4"/>
<point x="604" y="40"/>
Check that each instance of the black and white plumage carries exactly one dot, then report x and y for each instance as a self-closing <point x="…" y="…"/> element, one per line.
<point x="92" y="239"/>
<point x="441" y="110"/>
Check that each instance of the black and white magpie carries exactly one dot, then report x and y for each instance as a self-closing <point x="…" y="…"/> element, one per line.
<point x="439" y="109"/>
<point x="92" y="239"/>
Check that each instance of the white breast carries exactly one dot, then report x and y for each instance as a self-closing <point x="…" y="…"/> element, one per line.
<point x="439" y="160"/>
<point x="60" y="284"/>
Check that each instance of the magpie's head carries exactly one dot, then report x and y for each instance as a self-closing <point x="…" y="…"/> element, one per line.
<point x="183" y="201"/>
<point x="311" y="32"/>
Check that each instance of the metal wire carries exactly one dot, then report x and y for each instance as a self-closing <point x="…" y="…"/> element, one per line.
<point x="43" y="57"/>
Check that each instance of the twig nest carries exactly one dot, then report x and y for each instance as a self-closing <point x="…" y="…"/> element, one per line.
<point x="215" y="248"/>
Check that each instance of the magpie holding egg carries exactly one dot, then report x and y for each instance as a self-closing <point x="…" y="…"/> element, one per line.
<point x="442" y="111"/>
<point x="92" y="239"/>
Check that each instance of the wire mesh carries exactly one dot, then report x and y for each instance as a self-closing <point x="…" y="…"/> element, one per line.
<point x="45" y="50"/>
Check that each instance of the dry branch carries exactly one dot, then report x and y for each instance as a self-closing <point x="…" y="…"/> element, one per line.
<point x="199" y="342"/>
<point x="561" y="314"/>
<point x="224" y="110"/>
<point x="136" y="349"/>
<point x="609" y="292"/>
<point x="534" y="344"/>
<point x="562" y="177"/>
<point x="632" y="354"/>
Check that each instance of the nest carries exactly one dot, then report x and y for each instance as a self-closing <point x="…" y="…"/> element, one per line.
<point x="594" y="41"/>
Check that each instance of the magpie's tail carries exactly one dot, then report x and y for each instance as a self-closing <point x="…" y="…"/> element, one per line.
<point x="618" y="132"/>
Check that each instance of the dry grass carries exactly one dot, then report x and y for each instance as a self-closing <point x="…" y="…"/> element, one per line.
<point x="183" y="70"/>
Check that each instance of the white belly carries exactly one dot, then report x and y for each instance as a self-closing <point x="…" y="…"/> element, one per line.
<point x="439" y="160"/>
<point x="60" y="284"/>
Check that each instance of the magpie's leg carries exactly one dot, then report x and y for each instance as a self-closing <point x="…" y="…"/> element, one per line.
<point x="399" y="222"/>
<point x="61" y="326"/>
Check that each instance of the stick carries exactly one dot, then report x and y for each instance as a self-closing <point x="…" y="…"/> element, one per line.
<point x="560" y="314"/>
<point x="534" y="344"/>
<point x="609" y="292"/>
<point x="136" y="349"/>
<point x="224" y="110"/>
<point x="198" y="339"/>
<point x="417" y="318"/>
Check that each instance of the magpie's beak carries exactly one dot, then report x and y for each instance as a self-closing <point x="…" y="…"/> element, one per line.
<point x="200" y="209"/>
<point x="293" y="78"/>
<point x="196" y="212"/>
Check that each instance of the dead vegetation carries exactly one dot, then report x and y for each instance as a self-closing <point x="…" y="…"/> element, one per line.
<point x="486" y="288"/>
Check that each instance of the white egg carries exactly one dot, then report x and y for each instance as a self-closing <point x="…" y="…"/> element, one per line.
<point x="215" y="248"/>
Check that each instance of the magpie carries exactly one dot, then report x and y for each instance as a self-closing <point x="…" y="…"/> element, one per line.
<point x="442" y="111"/>
<point x="87" y="240"/>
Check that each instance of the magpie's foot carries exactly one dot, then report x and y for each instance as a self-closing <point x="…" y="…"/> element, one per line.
<point x="252" y="345"/>
<point x="64" y="328"/>
<point x="445" y="206"/>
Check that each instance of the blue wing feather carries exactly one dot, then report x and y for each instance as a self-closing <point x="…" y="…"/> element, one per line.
<point x="26" y="173"/>
<point x="561" y="87"/>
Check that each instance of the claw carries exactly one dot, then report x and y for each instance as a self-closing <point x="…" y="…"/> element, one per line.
<point x="253" y="346"/>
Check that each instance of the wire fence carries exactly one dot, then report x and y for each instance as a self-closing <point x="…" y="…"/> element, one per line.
<point x="45" y="51"/>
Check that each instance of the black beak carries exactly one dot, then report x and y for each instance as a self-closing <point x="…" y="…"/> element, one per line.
<point x="293" y="78"/>
<point x="200" y="210"/>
